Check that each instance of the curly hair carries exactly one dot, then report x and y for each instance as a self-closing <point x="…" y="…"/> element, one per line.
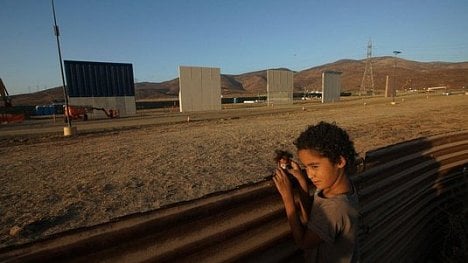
<point x="281" y="154"/>
<point x="330" y="141"/>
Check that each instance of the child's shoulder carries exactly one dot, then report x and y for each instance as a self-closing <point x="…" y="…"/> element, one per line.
<point x="338" y="202"/>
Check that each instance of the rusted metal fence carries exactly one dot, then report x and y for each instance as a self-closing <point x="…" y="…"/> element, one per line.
<point x="407" y="191"/>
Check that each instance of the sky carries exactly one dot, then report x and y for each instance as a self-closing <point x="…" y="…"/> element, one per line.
<point x="237" y="36"/>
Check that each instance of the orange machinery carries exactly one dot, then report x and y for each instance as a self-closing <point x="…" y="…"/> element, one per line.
<point x="75" y="112"/>
<point x="7" y="112"/>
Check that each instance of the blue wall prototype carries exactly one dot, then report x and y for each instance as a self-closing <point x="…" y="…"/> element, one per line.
<point x="99" y="79"/>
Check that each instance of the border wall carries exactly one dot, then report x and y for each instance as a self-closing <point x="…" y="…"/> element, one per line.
<point x="331" y="86"/>
<point x="408" y="192"/>
<point x="280" y="86"/>
<point x="101" y="85"/>
<point x="199" y="89"/>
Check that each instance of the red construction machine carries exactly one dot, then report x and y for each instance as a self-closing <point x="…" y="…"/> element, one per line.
<point x="75" y="112"/>
<point x="8" y="113"/>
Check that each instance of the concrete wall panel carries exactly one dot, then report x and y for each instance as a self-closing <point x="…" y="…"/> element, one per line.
<point x="200" y="89"/>
<point x="130" y="106"/>
<point x="280" y="86"/>
<point x="331" y="86"/>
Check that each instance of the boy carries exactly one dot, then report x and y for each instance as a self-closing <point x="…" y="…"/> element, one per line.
<point x="328" y="224"/>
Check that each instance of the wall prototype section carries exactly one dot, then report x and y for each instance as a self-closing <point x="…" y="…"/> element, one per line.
<point x="280" y="86"/>
<point x="101" y="85"/>
<point x="199" y="89"/>
<point x="331" y="86"/>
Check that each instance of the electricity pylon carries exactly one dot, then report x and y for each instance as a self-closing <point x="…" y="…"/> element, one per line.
<point x="367" y="83"/>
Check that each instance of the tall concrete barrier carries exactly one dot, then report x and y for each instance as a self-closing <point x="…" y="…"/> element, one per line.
<point x="280" y="86"/>
<point x="407" y="192"/>
<point x="199" y="89"/>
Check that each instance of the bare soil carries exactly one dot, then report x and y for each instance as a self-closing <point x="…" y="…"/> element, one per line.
<point x="50" y="183"/>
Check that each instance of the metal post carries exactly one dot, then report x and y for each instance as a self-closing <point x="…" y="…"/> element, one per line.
<point x="65" y="94"/>
<point x="396" y="52"/>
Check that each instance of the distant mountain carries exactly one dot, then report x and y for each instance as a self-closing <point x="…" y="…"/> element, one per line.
<point x="409" y="74"/>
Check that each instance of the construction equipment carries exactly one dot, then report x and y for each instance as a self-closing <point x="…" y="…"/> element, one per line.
<point x="7" y="111"/>
<point x="5" y="96"/>
<point x="76" y="112"/>
<point x="111" y="113"/>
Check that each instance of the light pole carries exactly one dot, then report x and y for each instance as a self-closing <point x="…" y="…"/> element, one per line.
<point x="396" y="52"/>
<point x="65" y="94"/>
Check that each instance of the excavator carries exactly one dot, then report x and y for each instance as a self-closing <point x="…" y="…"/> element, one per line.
<point x="7" y="112"/>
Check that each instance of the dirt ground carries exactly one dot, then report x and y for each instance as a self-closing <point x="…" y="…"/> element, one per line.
<point x="49" y="183"/>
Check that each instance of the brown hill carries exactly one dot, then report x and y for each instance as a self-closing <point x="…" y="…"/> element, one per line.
<point x="408" y="74"/>
<point x="44" y="97"/>
<point x="149" y="90"/>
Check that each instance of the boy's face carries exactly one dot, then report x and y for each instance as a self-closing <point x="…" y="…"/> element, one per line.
<point x="320" y="170"/>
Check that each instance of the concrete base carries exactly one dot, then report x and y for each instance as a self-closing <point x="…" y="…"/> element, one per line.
<point x="69" y="131"/>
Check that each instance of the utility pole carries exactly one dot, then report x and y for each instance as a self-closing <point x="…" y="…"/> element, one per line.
<point x="367" y="82"/>
<point x="65" y="93"/>
<point x="396" y="52"/>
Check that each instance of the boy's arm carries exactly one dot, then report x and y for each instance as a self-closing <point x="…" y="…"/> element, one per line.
<point x="303" y="237"/>
<point x="305" y="201"/>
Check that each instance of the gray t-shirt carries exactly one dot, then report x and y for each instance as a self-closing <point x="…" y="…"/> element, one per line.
<point x="336" y="221"/>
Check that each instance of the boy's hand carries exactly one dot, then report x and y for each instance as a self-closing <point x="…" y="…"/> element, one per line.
<point x="283" y="184"/>
<point x="296" y="171"/>
<point x="300" y="176"/>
